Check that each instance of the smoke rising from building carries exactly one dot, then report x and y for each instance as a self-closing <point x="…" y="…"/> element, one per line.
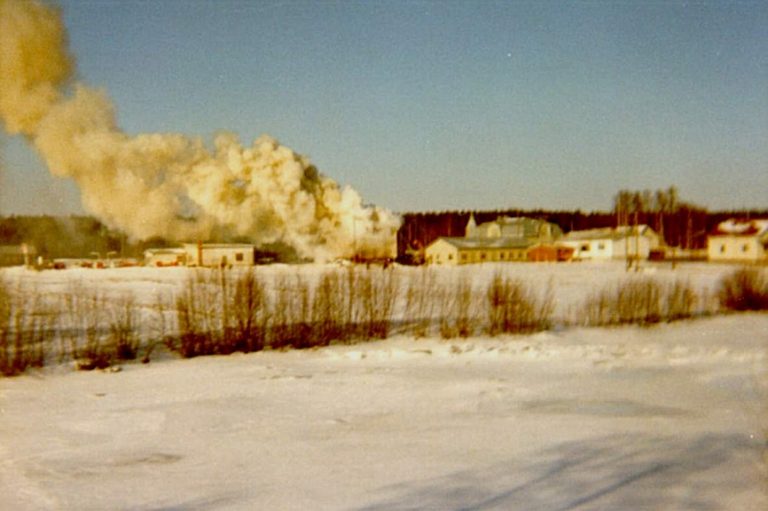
<point x="170" y="185"/>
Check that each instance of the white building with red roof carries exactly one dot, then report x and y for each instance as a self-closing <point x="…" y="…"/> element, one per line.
<point x="739" y="241"/>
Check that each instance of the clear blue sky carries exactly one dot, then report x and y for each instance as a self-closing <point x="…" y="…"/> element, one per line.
<point x="442" y="105"/>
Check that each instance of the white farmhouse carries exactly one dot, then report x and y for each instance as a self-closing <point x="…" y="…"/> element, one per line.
<point x="612" y="243"/>
<point x="739" y="241"/>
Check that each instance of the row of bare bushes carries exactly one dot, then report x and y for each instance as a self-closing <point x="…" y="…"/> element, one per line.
<point x="221" y="312"/>
<point x="80" y="325"/>
<point x="646" y="301"/>
<point x="642" y="300"/>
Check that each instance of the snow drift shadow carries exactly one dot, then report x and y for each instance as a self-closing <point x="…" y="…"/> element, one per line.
<point x="614" y="472"/>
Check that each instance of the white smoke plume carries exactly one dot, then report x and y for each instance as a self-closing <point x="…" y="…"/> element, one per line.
<point x="170" y="185"/>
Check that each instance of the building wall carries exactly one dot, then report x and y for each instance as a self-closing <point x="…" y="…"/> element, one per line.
<point x="645" y="244"/>
<point x="220" y="255"/>
<point x="735" y="248"/>
<point x="550" y="253"/>
<point x="597" y="249"/>
<point x="493" y="255"/>
<point x="442" y="253"/>
<point x="609" y="248"/>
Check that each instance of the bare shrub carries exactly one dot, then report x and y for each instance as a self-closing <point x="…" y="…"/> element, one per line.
<point x="200" y="314"/>
<point x="745" y="289"/>
<point x="639" y="301"/>
<point x="514" y="308"/>
<point x="90" y="349"/>
<point x="280" y="335"/>
<point x="642" y="301"/>
<point x="158" y="327"/>
<point x="290" y="318"/>
<point x="82" y="336"/>
<point x="420" y="301"/>
<point x="680" y="301"/>
<point x="457" y="309"/>
<point x="123" y="325"/>
<point x="248" y="313"/>
<point x="328" y="313"/>
<point x="630" y="301"/>
<point x="377" y="290"/>
<point x="301" y="326"/>
<point x="6" y="315"/>
<point x="26" y="329"/>
<point x="353" y="304"/>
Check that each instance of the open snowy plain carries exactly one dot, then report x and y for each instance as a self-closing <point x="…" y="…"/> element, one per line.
<point x="673" y="416"/>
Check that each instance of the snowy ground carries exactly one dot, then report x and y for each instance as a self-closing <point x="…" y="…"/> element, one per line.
<point x="669" y="417"/>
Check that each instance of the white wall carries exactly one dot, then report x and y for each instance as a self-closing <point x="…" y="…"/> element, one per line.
<point x="735" y="248"/>
<point x="598" y="249"/>
<point x="218" y="255"/>
<point x="443" y="253"/>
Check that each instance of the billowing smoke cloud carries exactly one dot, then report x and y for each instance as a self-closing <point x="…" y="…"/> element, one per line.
<point x="170" y="185"/>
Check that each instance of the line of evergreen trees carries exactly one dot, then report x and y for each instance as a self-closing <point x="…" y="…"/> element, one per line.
<point x="71" y="236"/>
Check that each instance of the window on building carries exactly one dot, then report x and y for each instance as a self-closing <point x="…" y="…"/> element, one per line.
<point x="482" y="256"/>
<point x="584" y="247"/>
<point x="601" y="246"/>
<point x="745" y="248"/>
<point x="450" y="257"/>
<point x="239" y="256"/>
<point x="502" y="255"/>
<point x="722" y="248"/>
<point x="463" y="257"/>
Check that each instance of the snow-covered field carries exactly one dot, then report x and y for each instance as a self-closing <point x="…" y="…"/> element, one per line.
<point x="668" y="417"/>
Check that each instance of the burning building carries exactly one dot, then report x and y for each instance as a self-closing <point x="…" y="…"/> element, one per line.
<point x="263" y="192"/>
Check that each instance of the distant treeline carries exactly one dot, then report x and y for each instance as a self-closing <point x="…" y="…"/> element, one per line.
<point x="70" y="236"/>
<point x="685" y="227"/>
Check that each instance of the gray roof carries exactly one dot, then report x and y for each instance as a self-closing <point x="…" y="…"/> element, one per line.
<point x="489" y="243"/>
<point x="521" y="226"/>
<point x="613" y="233"/>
